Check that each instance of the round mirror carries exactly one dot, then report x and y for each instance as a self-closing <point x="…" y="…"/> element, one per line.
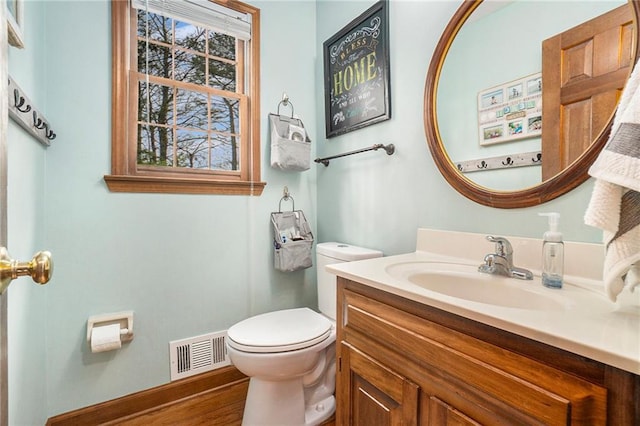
<point x="518" y="103"/>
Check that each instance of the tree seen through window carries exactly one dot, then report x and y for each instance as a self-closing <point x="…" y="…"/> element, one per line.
<point x="187" y="114"/>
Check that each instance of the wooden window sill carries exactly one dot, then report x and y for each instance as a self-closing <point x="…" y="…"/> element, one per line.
<point x="154" y="184"/>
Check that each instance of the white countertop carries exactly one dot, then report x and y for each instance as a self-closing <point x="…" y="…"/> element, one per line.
<point x="588" y="323"/>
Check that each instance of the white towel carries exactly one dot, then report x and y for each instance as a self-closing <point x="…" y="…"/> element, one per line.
<point x="615" y="203"/>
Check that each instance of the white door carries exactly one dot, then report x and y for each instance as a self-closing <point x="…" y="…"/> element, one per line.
<point x="40" y="268"/>
<point x="4" y="117"/>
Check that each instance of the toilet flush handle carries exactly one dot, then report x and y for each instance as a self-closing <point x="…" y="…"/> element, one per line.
<point x="40" y="268"/>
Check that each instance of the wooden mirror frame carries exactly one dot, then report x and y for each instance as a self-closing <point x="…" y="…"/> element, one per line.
<point x="559" y="184"/>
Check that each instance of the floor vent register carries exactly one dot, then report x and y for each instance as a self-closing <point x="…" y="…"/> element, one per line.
<point x="196" y="355"/>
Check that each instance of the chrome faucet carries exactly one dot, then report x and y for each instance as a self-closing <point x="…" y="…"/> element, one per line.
<point x="501" y="262"/>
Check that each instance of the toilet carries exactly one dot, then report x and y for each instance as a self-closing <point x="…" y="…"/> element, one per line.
<point x="289" y="355"/>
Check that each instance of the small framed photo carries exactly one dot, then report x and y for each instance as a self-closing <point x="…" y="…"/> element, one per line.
<point x="515" y="91"/>
<point x="534" y="86"/>
<point x="15" y="15"/>
<point x="510" y="111"/>
<point x="492" y="98"/>
<point x="492" y="132"/>
<point x="534" y="124"/>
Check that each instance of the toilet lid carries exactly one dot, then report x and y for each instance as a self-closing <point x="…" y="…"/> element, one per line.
<point x="279" y="331"/>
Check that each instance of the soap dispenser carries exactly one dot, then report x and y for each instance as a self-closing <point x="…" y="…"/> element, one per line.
<point x="552" y="253"/>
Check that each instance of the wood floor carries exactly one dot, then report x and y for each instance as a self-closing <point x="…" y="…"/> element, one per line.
<point x="213" y="399"/>
<point x="219" y="407"/>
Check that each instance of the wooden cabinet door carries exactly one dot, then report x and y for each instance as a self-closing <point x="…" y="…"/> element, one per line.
<point x="388" y="354"/>
<point x="442" y="414"/>
<point x="370" y="393"/>
<point x="584" y="70"/>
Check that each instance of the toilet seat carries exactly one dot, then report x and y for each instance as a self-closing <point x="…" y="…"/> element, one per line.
<point x="280" y="331"/>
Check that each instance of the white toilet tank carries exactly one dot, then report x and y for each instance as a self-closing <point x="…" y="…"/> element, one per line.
<point x="326" y="254"/>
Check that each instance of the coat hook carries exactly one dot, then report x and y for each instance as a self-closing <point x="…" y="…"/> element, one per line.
<point x="286" y="197"/>
<point x="508" y="162"/>
<point x="18" y="101"/>
<point x="538" y="158"/>
<point x="37" y="122"/>
<point x="50" y="135"/>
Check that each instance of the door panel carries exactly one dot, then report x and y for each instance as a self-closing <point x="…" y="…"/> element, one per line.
<point x="378" y="396"/>
<point x="584" y="70"/>
<point x="442" y="414"/>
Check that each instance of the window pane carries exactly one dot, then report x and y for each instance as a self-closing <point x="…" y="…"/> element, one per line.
<point x="158" y="62"/>
<point x="191" y="109"/>
<point x="222" y="75"/>
<point x="190" y="67"/>
<point x="225" y="152"/>
<point x="156" y="104"/>
<point x="222" y="45"/>
<point x="193" y="148"/>
<point x="155" y="145"/>
<point x="190" y="37"/>
<point x="225" y="114"/>
<point x="157" y="26"/>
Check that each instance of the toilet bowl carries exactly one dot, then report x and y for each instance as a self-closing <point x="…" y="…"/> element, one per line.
<point x="285" y="354"/>
<point x="289" y="355"/>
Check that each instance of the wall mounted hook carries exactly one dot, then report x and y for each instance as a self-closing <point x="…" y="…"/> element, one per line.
<point x="19" y="101"/>
<point x="285" y="101"/>
<point x="37" y="122"/>
<point x="508" y="162"/>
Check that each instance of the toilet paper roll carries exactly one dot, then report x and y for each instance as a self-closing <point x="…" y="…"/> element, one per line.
<point x="105" y="338"/>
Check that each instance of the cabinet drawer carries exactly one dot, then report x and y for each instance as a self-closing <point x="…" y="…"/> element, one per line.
<point x="463" y="371"/>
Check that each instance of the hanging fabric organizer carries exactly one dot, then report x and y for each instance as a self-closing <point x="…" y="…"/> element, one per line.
<point x="292" y="238"/>
<point x="290" y="144"/>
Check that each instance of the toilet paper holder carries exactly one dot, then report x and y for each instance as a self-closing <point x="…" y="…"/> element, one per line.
<point x="124" y="319"/>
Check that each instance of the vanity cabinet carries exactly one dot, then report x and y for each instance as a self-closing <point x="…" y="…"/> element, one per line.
<point x="404" y="363"/>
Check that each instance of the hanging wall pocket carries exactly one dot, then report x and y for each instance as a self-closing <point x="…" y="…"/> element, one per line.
<point x="290" y="145"/>
<point x="292" y="239"/>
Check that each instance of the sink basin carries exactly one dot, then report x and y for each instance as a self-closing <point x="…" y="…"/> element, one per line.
<point x="465" y="282"/>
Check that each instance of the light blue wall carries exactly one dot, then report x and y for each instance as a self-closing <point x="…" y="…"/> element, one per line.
<point x="379" y="201"/>
<point x="185" y="264"/>
<point x="190" y="264"/>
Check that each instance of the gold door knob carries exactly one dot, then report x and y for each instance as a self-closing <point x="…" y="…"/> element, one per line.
<point x="40" y="268"/>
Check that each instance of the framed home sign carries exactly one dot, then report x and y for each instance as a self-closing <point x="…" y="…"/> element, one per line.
<point x="356" y="73"/>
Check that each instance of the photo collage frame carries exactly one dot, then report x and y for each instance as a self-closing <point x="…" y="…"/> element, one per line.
<point x="511" y="111"/>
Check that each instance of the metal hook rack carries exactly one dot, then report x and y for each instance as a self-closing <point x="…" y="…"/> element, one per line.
<point x="389" y="149"/>
<point x="34" y="123"/>
<point x="508" y="161"/>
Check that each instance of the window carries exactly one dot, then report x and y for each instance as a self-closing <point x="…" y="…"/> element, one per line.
<point x="185" y="97"/>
